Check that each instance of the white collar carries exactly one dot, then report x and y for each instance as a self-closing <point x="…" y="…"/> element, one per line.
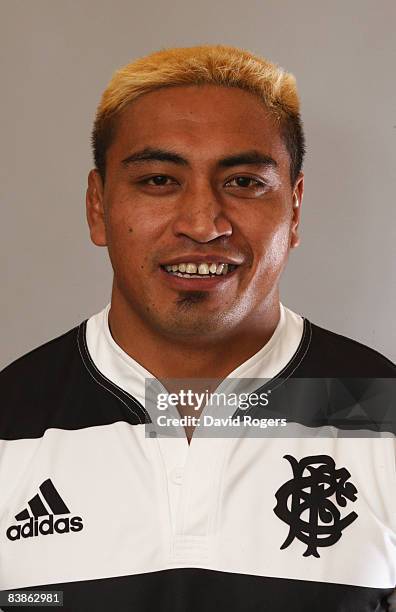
<point x="124" y="371"/>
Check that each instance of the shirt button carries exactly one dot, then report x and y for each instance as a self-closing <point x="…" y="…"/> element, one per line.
<point x="177" y="476"/>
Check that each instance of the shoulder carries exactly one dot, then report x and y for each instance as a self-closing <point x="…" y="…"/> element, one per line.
<point x="341" y="382"/>
<point x="34" y="387"/>
<point x="331" y="354"/>
<point x="57" y="386"/>
<point x="48" y="362"/>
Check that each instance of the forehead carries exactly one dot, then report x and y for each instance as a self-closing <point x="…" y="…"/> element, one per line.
<point x="199" y="118"/>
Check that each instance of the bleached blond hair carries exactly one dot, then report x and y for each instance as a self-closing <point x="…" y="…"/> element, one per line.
<point x="202" y="65"/>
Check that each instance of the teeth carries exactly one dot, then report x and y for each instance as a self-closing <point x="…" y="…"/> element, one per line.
<point x="203" y="268"/>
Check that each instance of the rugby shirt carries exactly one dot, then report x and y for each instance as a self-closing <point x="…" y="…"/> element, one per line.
<point x="96" y="501"/>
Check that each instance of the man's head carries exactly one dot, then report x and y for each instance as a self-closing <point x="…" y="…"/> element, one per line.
<point x="205" y="65"/>
<point x="198" y="157"/>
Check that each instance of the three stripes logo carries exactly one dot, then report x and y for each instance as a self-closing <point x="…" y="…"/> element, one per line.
<point x="49" y="504"/>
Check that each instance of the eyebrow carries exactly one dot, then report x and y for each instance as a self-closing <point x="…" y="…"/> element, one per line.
<point x="252" y="157"/>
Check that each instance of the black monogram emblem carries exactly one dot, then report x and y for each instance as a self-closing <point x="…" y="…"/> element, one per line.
<point x="304" y="502"/>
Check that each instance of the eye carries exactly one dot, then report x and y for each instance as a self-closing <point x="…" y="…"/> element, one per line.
<point x="159" y="180"/>
<point x="246" y="181"/>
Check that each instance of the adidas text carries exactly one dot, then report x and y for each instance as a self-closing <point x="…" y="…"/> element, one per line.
<point x="46" y="526"/>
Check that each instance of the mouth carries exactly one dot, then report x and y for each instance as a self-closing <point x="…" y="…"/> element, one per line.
<point x="198" y="276"/>
<point x="199" y="270"/>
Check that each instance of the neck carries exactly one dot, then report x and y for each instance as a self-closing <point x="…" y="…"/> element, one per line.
<point x="196" y="356"/>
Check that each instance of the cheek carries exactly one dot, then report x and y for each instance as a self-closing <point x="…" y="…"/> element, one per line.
<point x="123" y="227"/>
<point x="131" y="239"/>
<point x="278" y="247"/>
<point x="122" y="238"/>
<point x="272" y="245"/>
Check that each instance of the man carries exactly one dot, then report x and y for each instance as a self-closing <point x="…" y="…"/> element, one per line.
<point x="196" y="193"/>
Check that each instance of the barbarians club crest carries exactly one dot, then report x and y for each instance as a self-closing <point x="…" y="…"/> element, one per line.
<point x="310" y="502"/>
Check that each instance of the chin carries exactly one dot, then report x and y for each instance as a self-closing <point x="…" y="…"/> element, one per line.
<point x="198" y="325"/>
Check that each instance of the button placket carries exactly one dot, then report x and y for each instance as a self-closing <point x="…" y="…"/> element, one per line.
<point x="176" y="475"/>
<point x="174" y="453"/>
<point x="193" y="474"/>
<point x="198" y="500"/>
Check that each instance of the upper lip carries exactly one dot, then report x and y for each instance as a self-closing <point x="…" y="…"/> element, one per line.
<point x="196" y="258"/>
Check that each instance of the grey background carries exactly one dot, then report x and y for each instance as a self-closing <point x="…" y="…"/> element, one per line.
<point x="57" y="57"/>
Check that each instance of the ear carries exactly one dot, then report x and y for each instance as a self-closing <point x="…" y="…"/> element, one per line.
<point x="95" y="208"/>
<point x="298" y="193"/>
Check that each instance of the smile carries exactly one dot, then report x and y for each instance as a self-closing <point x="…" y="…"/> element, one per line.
<point x="199" y="270"/>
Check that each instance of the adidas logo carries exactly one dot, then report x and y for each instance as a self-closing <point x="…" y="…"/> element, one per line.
<point x="48" y="504"/>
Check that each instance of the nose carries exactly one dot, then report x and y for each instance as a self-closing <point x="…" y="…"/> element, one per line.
<point x="200" y="214"/>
